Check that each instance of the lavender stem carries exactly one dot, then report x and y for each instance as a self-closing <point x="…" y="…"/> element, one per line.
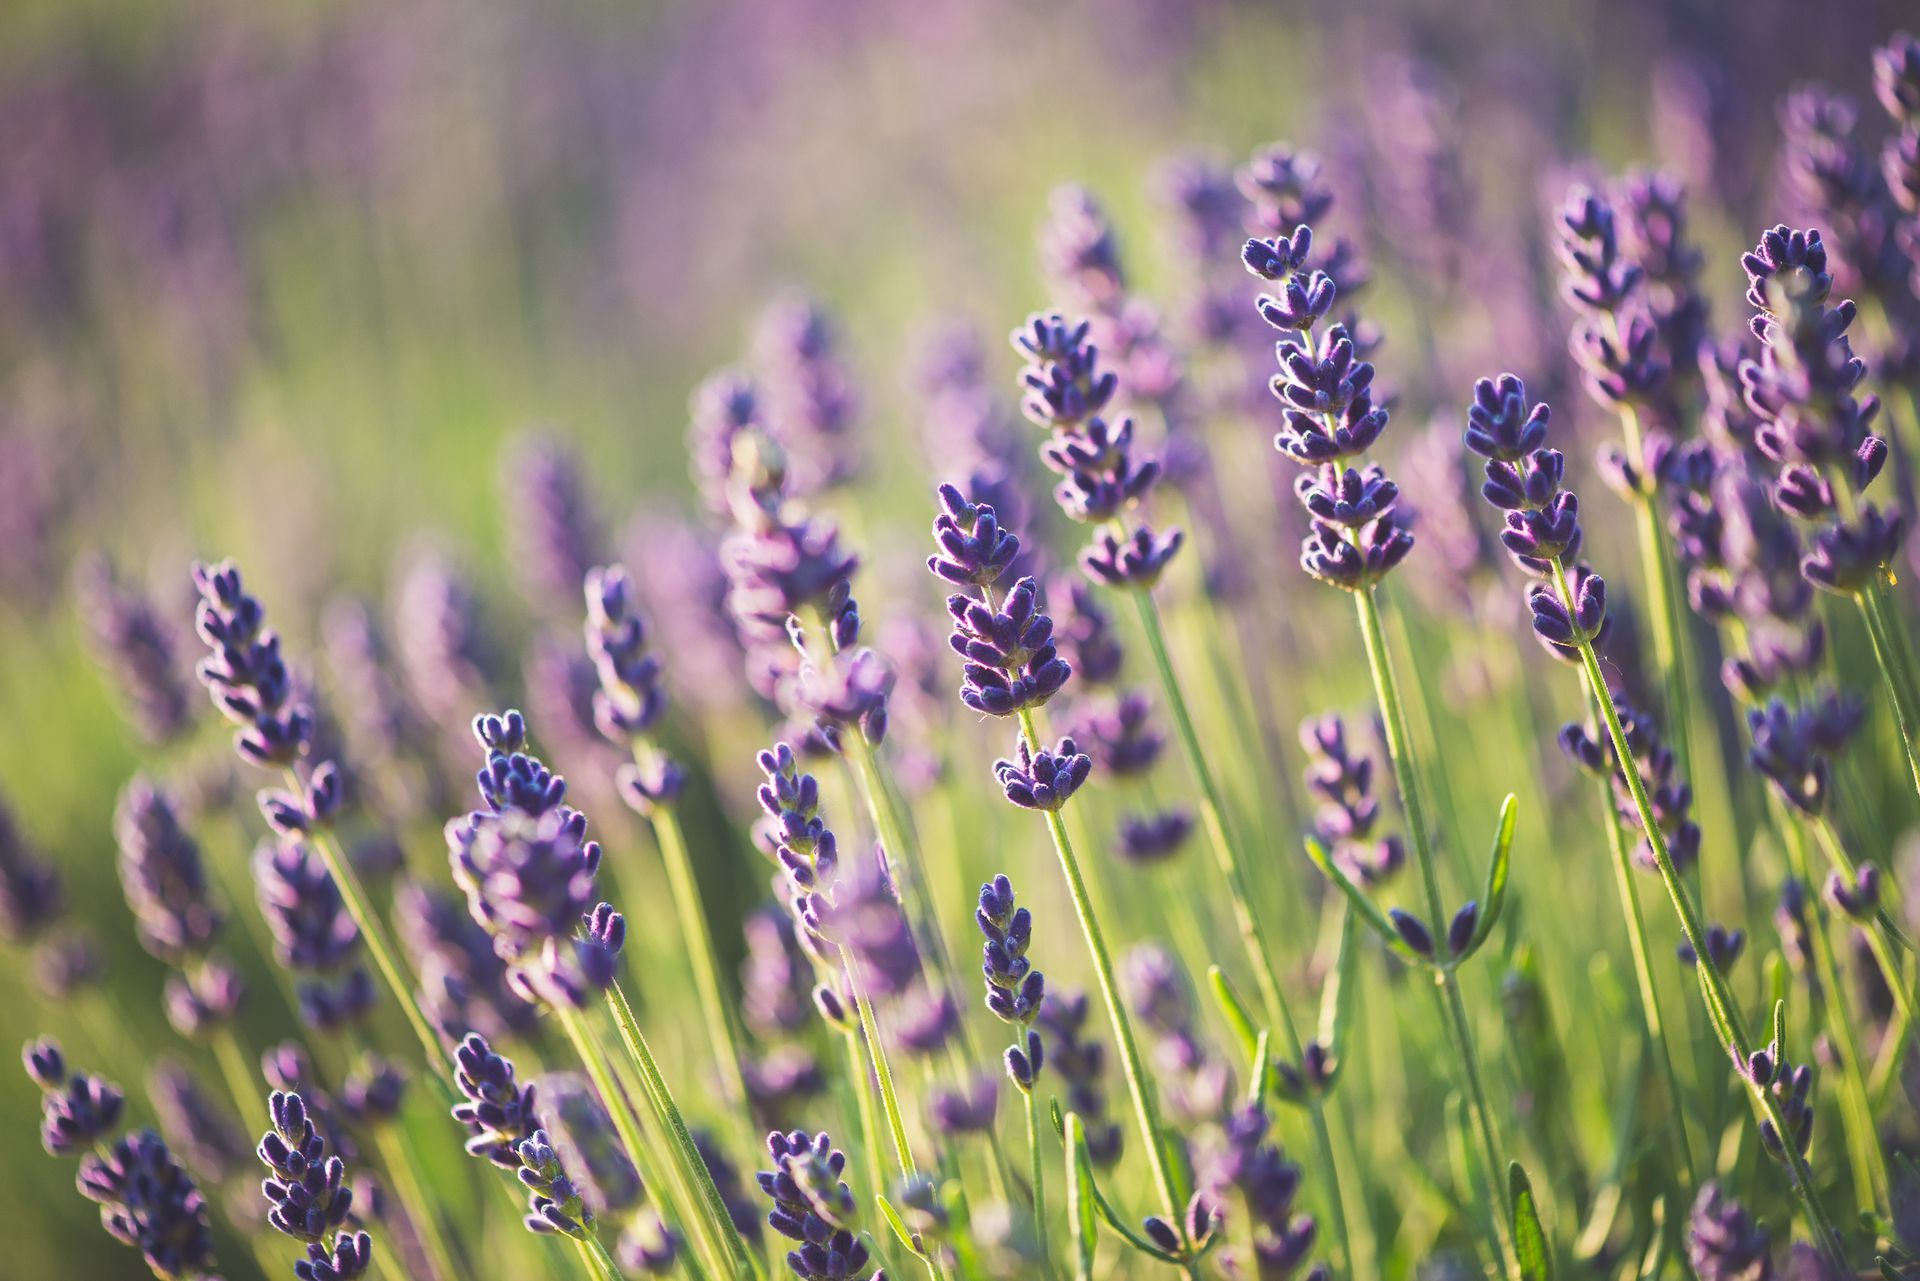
<point x="1719" y="1001"/>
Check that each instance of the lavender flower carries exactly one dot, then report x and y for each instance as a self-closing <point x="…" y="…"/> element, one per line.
<point x="1724" y="1243"/>
<point x="1349" y="811"/>
<point x="555" y="536"/>
<point x="581" y="1131"/>
<point x="1080" y="1061"/>
<point x="497" y="1111"/>
<point x="1198" y="1085"/>
<point x="1724" y="947"/>
<point x="798" y="839"/>
<point x="1792" y="746"/>
<point x="810" y="401"/>
<point x="77" y="1111"/>
<point x="1044" y="778"/>
<point x="1239" y="1158"/>
<point x="31" y="893"/>
<point x="1153" y="838"/>
<point x="630" y="700"/>
<point x="149" y="1202"/>
<point x="966" y="1109"/>
<point x="866" y="919"/>
<point x="204" y="998"/>
<point x="463" y="982"/>
<point x="1078" y="253"/>
<point x="555" y="1201"/>
<point x="162" y="875"/>
<point x="134" y="643"/>
<point x="1015" y="990"/>
<point x="307" y="1187"/>
<point x="245" y="673"/>
<point x="313" y="934"/>
<point x="1671" y="796"/>
<point x="195" y="1122"/>
<point x="68" y="964"/>
<point x="812" y="1205"/>
<point x="374" y="1093"/>
<point x="1011" y="663"/>
<point x="440" y="638"/>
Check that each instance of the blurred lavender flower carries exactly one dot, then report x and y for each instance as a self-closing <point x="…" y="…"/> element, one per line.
<point x="149" y="1202"/>
<point x="1792" y="745"/>
<point x="866" y="919"/>
<point x="555" y="536"/>
<point x="77" y="1110"/>
<point x="384" y="727"/>
<point x="196" y="1123"/>
<point x="32" y="895"/>
<point x="683" y="594"/>
<point x="440" y="637"/>
<point x="162" y="875"/>
<point x="810" y="401"/>
<point x="1349" y="810"/>
<point x="135" y="643"/>
<point x="1238" y="1157"/>
<point x="1589" y="746"/>
<point x="68" y="964"/>
<point x="204" y="998"/>
<point x="1198" y="1085"/>
<point x="583" y="1133"/>
<point x="968" y="1108"/>
<point x="463" y="981"/>
<point x="1080" y="1061"/>
<point x="313" y="934"/>
<point x="1153" y="838"/>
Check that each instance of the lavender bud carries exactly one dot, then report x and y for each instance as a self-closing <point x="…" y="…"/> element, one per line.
<point x="1412" y="932"/>
<point x="1045" y="779"/>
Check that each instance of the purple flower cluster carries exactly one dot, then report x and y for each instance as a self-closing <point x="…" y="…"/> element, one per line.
<point x="313" y="934"/>
<point x="527" y="869"/>
<point x="1349" y="811"/>
<point x="1591" y="747"/>
<point x="1198" y="1085"/>
<point x="308" y="1195"/>
<point x="1616" y="341"/>
<point x="497" y="1110"/>
<point x="556" y="538"/>
<point x="1081" y="1062"/>
<point x="1240" y="1158"/>
<point x="1015" y="990"/>
<point x="133" y="641"/>
<point x="813" y="1206"/>
<point x="1325" y="390"/>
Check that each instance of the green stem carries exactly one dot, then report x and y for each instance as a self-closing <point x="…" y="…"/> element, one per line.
<point x="1721" y="1010"/>
<point x="1868" y="1163"/>
<point x="1652" y="1018"/>
<point x="1386" y="690"/>
<point x="889" y="1097"/>
<point x="598" y="1262"/>
<point x="233" y="1069"/>
<point x="1881" y="931"/>
<point x="1226" y="854"/>
<point x="627" y="1124"/>
<point x="685" y="887"/>
<point x="354" y="895"/>
<point x="869" y="1120"/>
<point x="404" y="1174"/>
<point x="1146" y="1109"/>
<point x="694" y="1168"/>
<point x="1669" y="641"/>
<point x="1887" y="656"/>
<point x="1038" y="1175"/>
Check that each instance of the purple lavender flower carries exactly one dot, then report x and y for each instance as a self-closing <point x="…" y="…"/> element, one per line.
<point x="1240" y="1158"/>
<point x="797" y="838"/>
<point x="1670" y="796"/>
<point x="1153" y="838"/>
<point x="195" y="1122"/>
<point x="77" y="1111"/>
<point x="204" y="998"/>
<point x="32" y="895"/>
<point x="810" y="401"/>
<point x="1724" y="947"/>
<point x="1793" y="1094"/>
<point x="1349" y="811"/>
<point x="1118" y="732"/>
<point x="555" y="1201"/>
<point x="1724" y="1243"/>
<point x="1792" y="745"/>
<point x="866" y="919"/>
<point x="68" y="964"/>
<point x="581" y="1131"/>
<point x="133" y="642"/>
<point x="813" y="1206"/>
<point x="966" y="1109"/>
<point x="440" y="638"/>
<point x="149" y="1202"/>
<point x="1286" y="188"/>
<point x="724" y="408"/>
<point x="648" y="1246"/>
<point x="245" y="673"/>
<point x="306" y="1187"/>
<point x="1078" y="253"/>
<point x="1044" y="778"/>
<point x="630" y="699"/>
<point x="1198" y="1085"/>
<point x="162" y="875"/>
<point x="555" y="537"/>
<point x="384" y="728"/>
<point x="374" y="1092"/>
<point x="313" y="934"/>
<point x="463" y="982"/>
<point x="497" y="1111"/>
<point x="1011" y="663"/>
<point x="1015" y="990"/>
<point x="1080" y="1061"/>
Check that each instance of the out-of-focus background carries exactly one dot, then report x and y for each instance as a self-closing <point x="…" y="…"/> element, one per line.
<point x="279" y="280"/>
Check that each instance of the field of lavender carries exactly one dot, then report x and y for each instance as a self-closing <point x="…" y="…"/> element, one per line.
<point x="565" y="569"/>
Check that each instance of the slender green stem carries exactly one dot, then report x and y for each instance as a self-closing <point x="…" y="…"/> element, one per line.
<point x="1669" y="641"/>
<point x="1868" y="1162"/>
<point x="1721" y="1009"/>
<point x="627" y="1124"/>
<point x="233" y="1069"/>
<point x="1037" y="1173"/>
<point x="1887" y="655"/>
<point x="1651" y="1017"/>
<point x="404" y="1173"/>
<point x="354" y="895"/>
<point x="598" y="1261"/>
<point x="685" y="887"/>
<point x="1386" y="690"/>
<point x="889" y="1097"/>
<point x="1145" y="1107"/>
<point x="1881" y="931"/>
<point x="870" y="1140"/>
<point x="693" y="1165"/>
<point x="1273" y="997"/>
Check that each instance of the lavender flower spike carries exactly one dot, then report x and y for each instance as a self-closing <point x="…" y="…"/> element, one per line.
<point x="813" y="1206"/>
<point x="1043" y="779"/>
<point x="309" y="1196"/>
<point x="1011" y="663"/>
<point x="497" y="1111"/>
<point x="1015" y="990"/>
<point x="245" y="673"/>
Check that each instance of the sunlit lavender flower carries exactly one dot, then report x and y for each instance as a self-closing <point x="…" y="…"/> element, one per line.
<point x="555" y="536"/>
<point x="1015" y="990"/>
<point x="77" y="1110"/>
<point x="581" y="1131"/>
<point x="1153" y="838"/>
<point x="497" y="1111"/>
<point x="1011" y="664"/>
<point x="1724" y="1243"/>
<point x="463" y="982"/>
<point x="245" y="672"/>
<point x="1724" y="947"/>
<point x="32" y="895"/>
<point x="149" y="1202"/>
<point x="526" y="866"/>
<point x="162" y="875"/>
<point x="813" y="1206"/>
<point x="866" y="919"/>
<point x="967" y="1108"/>
<point x="1349" y="811"/>
<point x="386" y="731"/>
<point x="308" y="1194"/>
<point x="203" y="998"/>
<point x="1043" y="778"/>
<point x="440" y="637"/>
<point x="1671" y="797"/>
<point x="1080" y="1061"/>
<point x="1792" y="746"/>
<point x="797" y="838"/>
<point x="133" y="641"/>
<point x="1240" y="1158"/>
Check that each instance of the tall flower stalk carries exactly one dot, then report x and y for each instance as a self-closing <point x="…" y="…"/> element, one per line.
<point x="1356" y="538"/>
<point x="1569" y="607"/>
<point x="1011" y="668"/>
<point x="1102" y="483"/>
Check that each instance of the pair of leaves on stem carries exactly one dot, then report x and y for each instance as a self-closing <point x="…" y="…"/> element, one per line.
<point x="1405" y="933"/>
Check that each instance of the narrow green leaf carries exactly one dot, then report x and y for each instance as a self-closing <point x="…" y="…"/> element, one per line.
<point x="1369" y="912"/>
<point x="1231" y="1008"/>
<point x="1336" y="994"/>
<point x="1262" y="1069"/>
<point x="1529" y="1239"/>
<point x="1495" y="896"/>
<point x="1780" y="1028"/>
<point x="894" y="1221"/>
<point x="1080" y="1199"/>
